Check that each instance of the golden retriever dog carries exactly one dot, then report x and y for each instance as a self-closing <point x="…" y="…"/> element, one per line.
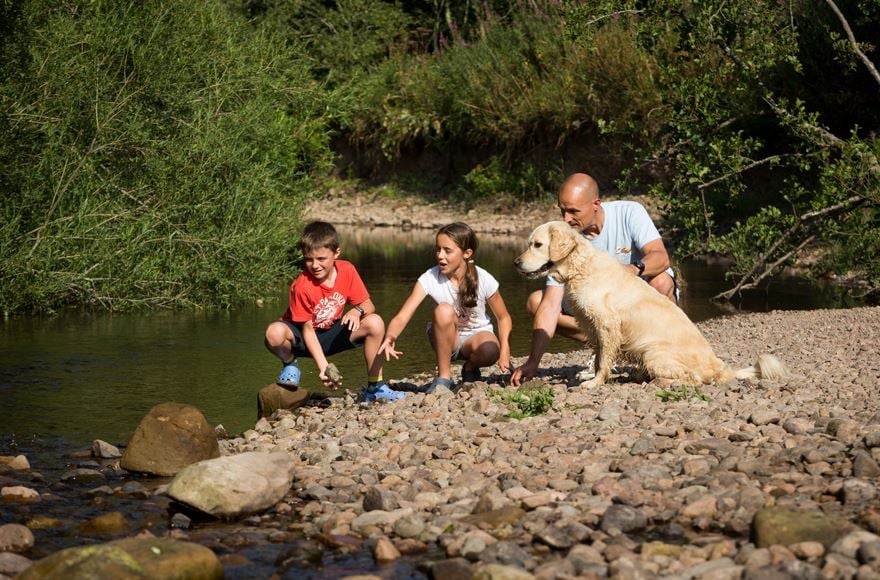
<point x="625" y="316"/>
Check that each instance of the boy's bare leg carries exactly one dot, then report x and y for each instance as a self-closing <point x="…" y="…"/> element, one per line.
<point x="372" y="330"/>
<point x="279" y="341"/>
<point x="444" y="335"/>
<point x="566" y="324"/>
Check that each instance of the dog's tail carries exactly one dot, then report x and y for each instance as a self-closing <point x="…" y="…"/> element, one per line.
<point x="768" y="367"/>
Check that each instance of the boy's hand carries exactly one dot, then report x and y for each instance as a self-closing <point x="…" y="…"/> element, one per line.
<point x="352" y="319"/>
<point x="334" y="375"/>
<point x="328" y="382"/>
<point x="387" y="347"/>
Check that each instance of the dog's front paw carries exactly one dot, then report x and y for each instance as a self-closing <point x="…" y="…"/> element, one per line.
<point x="591" y="384"/>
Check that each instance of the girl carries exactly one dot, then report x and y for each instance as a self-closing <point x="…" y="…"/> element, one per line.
<point x="459" y="328"/>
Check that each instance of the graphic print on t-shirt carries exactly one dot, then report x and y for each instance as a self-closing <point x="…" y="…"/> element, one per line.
<point x="326" y="310"/>
<point x="466" y="316"/>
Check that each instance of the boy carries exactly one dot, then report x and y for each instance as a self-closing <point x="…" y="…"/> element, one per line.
<point x="314" y="324"/>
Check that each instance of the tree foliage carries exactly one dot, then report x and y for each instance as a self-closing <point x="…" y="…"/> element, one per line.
<point x="157" y="153"/>
<point x="756" y="155"/>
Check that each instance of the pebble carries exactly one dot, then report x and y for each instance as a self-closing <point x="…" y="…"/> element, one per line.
<point x="15" y="538"/>
<point x="19" y="493"/>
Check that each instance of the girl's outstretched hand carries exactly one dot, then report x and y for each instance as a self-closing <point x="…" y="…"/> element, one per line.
<point x="387" y="347"/>
<point x="504" y="363"/>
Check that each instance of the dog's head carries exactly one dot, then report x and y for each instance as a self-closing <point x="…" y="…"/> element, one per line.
<point x="549" y="244"/>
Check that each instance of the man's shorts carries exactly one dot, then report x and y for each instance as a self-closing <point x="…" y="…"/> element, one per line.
<point x="335" y="339"/>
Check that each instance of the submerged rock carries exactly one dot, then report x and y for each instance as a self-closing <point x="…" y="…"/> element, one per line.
<point x="130" y="558"/>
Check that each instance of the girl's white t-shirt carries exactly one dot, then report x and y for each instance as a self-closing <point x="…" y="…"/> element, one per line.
<point x="442" y="291"/>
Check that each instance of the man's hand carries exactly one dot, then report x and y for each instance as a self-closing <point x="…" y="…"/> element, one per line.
<point x="387" y="347"/>
<point x="523" y="374"/>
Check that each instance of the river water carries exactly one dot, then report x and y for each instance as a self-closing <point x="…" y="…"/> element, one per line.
<point x="79" y="376"/>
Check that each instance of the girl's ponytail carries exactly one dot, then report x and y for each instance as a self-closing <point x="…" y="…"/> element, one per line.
<point x="467" y="294"/>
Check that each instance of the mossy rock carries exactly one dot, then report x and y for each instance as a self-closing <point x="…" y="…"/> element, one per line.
<point x="786" y="526"/>
<point x="165" y="558"/>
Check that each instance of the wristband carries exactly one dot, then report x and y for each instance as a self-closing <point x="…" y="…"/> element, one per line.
<point x="359" y="309"/>
<point x="640" y="265"/>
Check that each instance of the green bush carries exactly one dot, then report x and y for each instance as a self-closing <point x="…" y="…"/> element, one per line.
<point x="683" y="393"/>
<point x="521" y="81"/>
<point x="495" y="180"/>
<point x="150" y="154"/>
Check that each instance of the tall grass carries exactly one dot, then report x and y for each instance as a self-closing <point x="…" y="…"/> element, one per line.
<point x="150" y="154"/>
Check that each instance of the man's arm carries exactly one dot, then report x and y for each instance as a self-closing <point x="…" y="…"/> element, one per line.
<point x="655" y="258"/>
<point x="543" y="329"/>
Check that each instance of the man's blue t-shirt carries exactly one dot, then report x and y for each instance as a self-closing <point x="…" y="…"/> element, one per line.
<point x="626" y="230"/>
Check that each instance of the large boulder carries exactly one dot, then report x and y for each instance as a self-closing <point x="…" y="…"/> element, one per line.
<point x="236" y="485"/>
<point x="130" y="558"/>
<point x="170" y="437"/>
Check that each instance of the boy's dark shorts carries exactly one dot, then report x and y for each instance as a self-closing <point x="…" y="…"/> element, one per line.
<point x="335" y="339"/>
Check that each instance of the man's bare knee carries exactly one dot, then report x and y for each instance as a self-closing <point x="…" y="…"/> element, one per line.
<point x="533" y="301"/>
<point x="663" y="284"/>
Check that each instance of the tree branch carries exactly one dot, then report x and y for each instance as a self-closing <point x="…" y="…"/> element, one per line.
<point x="748" y="167"/>
<point x="852" y="41"/>
<point x="803" y="220"/>
<point x="823" y="135"/>
<point x="746" y="285"/>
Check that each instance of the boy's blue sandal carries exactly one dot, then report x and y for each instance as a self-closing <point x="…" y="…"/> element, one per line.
<point x="382" y="391"/>
<point x="441" y="382"/>
<point x="290" y="375"/>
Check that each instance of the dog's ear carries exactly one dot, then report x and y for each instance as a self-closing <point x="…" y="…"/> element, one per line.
<point x="562" y="241"/>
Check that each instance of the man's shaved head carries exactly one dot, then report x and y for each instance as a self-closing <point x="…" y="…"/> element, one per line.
<point x="579" y="204"/>
<point x="579" y="187"/>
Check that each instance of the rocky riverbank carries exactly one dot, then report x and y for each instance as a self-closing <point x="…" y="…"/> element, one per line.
<point x="750" y="479"/>
<point x="747" y="479"/>
<point x="370" y="209"/>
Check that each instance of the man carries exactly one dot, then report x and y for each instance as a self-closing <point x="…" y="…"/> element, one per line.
<point x="623" y="229"/>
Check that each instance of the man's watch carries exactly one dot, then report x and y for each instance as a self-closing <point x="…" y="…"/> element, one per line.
<point x="361" y="310"/>
<point x="640" y="265"/>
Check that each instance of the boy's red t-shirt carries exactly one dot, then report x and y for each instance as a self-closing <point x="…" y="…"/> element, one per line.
<point x="311" y="300"/>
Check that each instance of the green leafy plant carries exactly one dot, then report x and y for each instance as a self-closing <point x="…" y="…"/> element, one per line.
<point x="683" y="393"/>
<point x="528" y="401"/>
<point x="496" y="180"/>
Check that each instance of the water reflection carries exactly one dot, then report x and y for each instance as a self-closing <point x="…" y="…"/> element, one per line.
<point x="83" y="376"/>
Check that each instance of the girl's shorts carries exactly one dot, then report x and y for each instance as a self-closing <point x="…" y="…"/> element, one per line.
<point x="460" y="339"/>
